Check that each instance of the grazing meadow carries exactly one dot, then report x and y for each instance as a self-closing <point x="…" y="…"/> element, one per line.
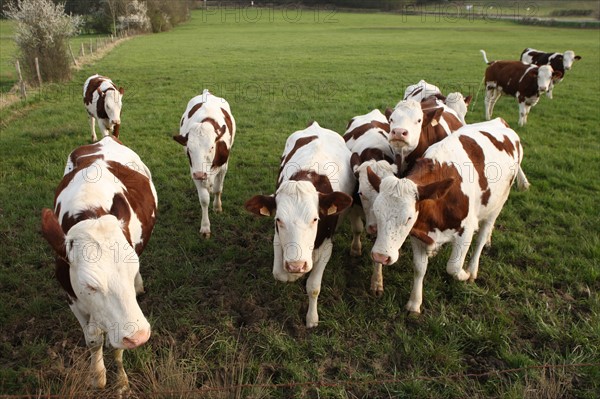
<point x="529" y="327"/>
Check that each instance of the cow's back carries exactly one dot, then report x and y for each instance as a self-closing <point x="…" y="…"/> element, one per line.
<point x="207" y="106"/>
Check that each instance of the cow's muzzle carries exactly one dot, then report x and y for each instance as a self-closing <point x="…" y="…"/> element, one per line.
<point x="200" y="176"/>
<point x="296" y="266"/>
<point x="137" y="339"/>
<point x="381" y="258"/>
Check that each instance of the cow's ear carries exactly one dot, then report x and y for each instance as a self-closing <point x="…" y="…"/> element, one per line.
<point x="373" y="178"/>
<point x="261" y="205"/>
<point x="557" y="74"/>
<point x="435" y="190"/>
<point x="53" y="233"/>
<point x="534" y="72"/>
<point x="181" y="139"/>
<point x="100" y="92"/>
<point x="354" y="161"/>
<point x="388" y="113"/>
<point x="333" y="203"/>
<point x="432" y="116"/>
<point x="468" y="100"/>
<point x="221" y="154"/>
<point x="121" y="90"/>
<point x="120" y="208"/>
<point x="577" y="57"/>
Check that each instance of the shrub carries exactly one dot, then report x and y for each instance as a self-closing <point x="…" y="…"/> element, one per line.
<point x="43" y="31"/>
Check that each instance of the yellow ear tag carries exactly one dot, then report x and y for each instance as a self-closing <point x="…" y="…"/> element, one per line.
<point x="332" y="209"/>
<point x="265" y="211"/>
<point x="434" y="122"/>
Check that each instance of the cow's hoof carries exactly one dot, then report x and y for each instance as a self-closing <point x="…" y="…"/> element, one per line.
<point x="205" y="235"/>
<point x="377" y="292"/>
<point x="355" y="252"/>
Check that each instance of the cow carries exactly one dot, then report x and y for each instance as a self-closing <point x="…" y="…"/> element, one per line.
<point x="415" y="126"/>
<point x="104" y="212"/>
<point x="207" y="131"/>
<point x="314" y="188"/>
<point x="559" y="63"/>
<point x="366" y="137"/>
<point x="456" y="101"/>
<point x="524" y="81"/>
<point x="459" y="186"/>
<point x="103" y="101"/>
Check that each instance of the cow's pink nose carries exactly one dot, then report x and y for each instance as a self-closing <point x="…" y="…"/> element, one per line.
<point x="372" y="229"/>
<point x="399" y="134"/>
<point x="380" y="258"/>
<point x="543" y="88"/>
<point x="200" y="175"/>
<point x="296" y="266"/>
<point x="138" y="338"/>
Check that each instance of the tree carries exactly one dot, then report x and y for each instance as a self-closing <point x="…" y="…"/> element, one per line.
<point x="43" y="31"/>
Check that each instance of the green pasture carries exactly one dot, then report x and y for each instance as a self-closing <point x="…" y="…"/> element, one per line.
<point x="218" y="316"/>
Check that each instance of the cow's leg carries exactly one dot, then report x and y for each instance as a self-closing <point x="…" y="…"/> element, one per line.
<point x="97" y="368"/>
<point x="204" y="197"/>
<point x="549" y="92"/>
<point x="420" y="260"/>
<point x="313" y="283"/>
<point x="94" y="338"/>
<point x="104" y="126"/>
<point x="218" y="189"/>
<point x="377" y="279"/>
<point x="484" y="236"/>
<point x="491" y="96"/>
<point x="93" y="125"/>
<point x="356" y="224"/>
<point x="523" y="112"/>
<point x="460" y="247"/>
<point x="122" y="380"/>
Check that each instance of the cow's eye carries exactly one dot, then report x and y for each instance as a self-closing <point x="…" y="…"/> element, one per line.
<point x="419" y="121"/>
<point x="315" y="220"/>
<point x="91" y="288"/>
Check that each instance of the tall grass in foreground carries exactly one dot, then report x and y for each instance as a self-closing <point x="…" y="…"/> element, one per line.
<point x="218" y="317"/>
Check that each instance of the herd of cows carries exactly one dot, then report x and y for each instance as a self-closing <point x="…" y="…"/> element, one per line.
<point x="418" y="171"/>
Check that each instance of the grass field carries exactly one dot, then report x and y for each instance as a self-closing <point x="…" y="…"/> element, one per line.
<point x="218" y="316"/>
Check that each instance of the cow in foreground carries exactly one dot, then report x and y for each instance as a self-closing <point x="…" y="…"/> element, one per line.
<point x="456" y="101"/>
<point x="103" y="101"/>
<point x="207" y="131"/>
<point x="523" y="81"/>
<point x="314" y="187"/>
<point x="367" y="138"/>
<point x="560" y="62"/>
<point x="104" y="213"/>
<point x="458" y="187"/>
<point x="415" y="126"/>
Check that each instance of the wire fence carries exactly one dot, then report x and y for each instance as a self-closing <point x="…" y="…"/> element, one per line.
<point x="314" y="384"/>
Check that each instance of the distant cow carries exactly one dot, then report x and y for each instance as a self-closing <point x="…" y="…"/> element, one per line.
<point x="207" y="131"/>
<point x="560" y="62"/>
<point x="517" y="79"/>
<point x="103" y="101"/>
<point x="367" y="138"/>
<point x="314" y="186"/>
<point x="456" y="101"/>
<point x="104" y="213"/>
<point x="457" y="188"/>
<point x="415" y="126"/>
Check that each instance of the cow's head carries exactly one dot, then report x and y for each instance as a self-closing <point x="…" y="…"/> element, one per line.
<point x="406" y="121"/>
<point x="396" y="211"/>
<point x="369" y="175"/>
<point x="113" y="102"/>
<point x="205" y="149"/>
<point x="297" y="207"/>
<point x="102" y="269"/>
<point x="568" y="58"/>
<point x="459" y="104"/>
<point x="544" y="75"/>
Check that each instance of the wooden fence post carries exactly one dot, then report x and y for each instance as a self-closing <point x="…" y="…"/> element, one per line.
<point x="91" y="47"/>
<point x="82" y="49"/>
<point x="37" y="71"/>
<point x="21" y="82"/>
<point x="72" y="55"/>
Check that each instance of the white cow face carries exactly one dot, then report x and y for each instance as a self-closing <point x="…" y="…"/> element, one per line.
<point x="406" y="122"/>
<point x="368" y="187"/>
<point x="544" y="78"/>
<point x="568" y="58"/>
<point x="204" y="150"/>
<point x="396" y="213"/>
<point x="459" y="104"/>
<point x="113" y="102"/>
<point x="297" y="208"/>
<point x="103" y="267"/>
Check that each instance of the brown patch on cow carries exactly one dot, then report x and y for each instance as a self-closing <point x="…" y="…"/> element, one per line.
<point x="381" y="125"/>
<point x="187" y="152"/>
<point x="221" y="154"/>
<point x="228" y="121"/>
<point x="373" y="178"/>
<point x="214" y="123"/>
<point x="513" y="77"/>
<point x="453" y="122"/>
<point x="93" y="85"/>
<point x="374" y="154"/>
<point x="100" y="107"/>
<point x="354" y="160"/>
<point x="86" y="151"/>
<point x="415" y="92"/>
<point x="477" y="157"/>
<point x="195" y="108"/>
<point x="181" y="139"/>
<point x="301" y="142"/>
<point x="358" y="131"/>
<point x="506" y="145"/>
<point x="350" y="123"/>
<point x="181" y="123"/>
<point x="445" y="213"/>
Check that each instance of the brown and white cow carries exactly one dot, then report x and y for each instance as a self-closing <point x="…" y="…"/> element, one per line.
<point x="207" y="131"/>
<point x="103" y="101"/>
<point x="367" y="138"/>
<point x="104" y="213"/>
<point x="422" y="91"/>
<point x="523" y="81"/>
<point x="560" y="62"/>
<point x="415" y="126"/>
<point x="314" y="186"/>
<point x="457" y="188"/>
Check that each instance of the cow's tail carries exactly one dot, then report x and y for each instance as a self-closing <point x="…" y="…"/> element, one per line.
<point x="485" y="57"/>
<point x="522" y="182"/>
